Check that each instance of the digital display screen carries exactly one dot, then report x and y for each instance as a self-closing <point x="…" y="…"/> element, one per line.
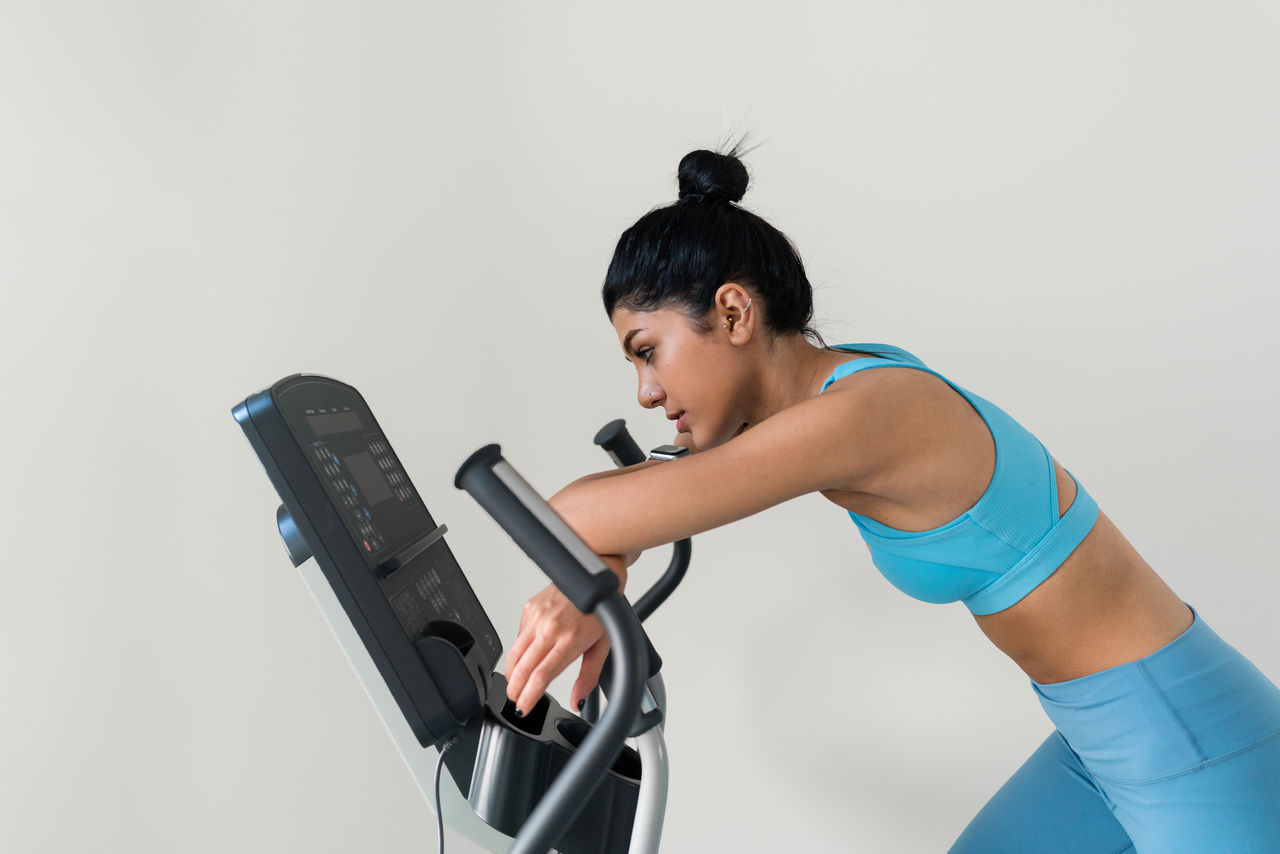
<point x="368" y="478"/>
<point x="334" y="422"/>
<point x="365" y="482"/>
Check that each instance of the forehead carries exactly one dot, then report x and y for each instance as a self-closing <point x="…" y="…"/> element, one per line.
<point x="626" y="321"/>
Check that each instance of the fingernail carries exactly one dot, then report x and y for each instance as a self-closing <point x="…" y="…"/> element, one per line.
<point x="582" y="704"/>
<point x="519" y="713"/>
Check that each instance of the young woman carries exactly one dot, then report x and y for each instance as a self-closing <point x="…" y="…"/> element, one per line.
<point x="1166" y="740"/>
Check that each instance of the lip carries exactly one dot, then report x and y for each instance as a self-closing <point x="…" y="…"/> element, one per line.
<point x="680" y="423"/>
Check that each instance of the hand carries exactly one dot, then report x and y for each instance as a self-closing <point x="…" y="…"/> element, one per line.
<point x="552" y="634"/>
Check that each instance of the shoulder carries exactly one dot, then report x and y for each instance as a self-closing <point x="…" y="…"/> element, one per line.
<point x="865" y="423"/>
<point x="886" y="393"/>
<point x="903" y="414"/>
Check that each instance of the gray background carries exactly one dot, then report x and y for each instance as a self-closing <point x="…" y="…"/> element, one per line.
<point x="1069" y="208"/>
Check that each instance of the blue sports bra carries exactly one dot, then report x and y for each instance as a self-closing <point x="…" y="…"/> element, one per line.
<point x="1002" y="547"/>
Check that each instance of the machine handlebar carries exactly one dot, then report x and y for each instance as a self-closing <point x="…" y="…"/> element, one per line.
<point x="618" y="444"/>
<point x="591" y="587"/>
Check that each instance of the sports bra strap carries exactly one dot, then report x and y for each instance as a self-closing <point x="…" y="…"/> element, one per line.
<point x="855" y="365"/>
<point x="880" y="356"/>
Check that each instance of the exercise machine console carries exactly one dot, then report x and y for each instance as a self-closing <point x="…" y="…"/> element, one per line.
<point x="382" y="572"/>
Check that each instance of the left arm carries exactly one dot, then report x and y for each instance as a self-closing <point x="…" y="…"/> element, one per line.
<point x="836" y="441"/>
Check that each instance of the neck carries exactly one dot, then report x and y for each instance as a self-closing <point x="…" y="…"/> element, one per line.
<point x="791" y="372"/>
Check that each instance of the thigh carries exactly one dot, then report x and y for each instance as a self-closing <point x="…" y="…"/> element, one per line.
<point x="1049" y="806"/>
<point x="1231" y="804"/>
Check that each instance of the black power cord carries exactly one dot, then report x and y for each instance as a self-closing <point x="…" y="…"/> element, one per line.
<point x="444" y="748"/>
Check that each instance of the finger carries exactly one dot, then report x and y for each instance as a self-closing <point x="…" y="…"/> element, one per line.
<point x="518" y="675"/>
<point x="518" y="647"/>
<point x="527" y="631"/>
<point x="589" y="673"/>
<point x="551" y="666"/>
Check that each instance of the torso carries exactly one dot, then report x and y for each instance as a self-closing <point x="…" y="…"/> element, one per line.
<point x="1103" y="606"/>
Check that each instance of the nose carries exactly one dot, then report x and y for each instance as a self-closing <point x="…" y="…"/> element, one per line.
<point x="650" y="394"/>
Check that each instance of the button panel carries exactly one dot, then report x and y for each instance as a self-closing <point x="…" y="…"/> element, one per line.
<point x="439" y="591"/>
<point x="354" y="505"/>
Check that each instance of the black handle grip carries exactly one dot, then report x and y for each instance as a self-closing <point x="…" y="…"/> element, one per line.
<point x="617" y="443"/>
<point x="570" y="564"/>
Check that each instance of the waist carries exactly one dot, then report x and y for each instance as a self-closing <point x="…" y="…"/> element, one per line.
<point x="1105" y="606"/>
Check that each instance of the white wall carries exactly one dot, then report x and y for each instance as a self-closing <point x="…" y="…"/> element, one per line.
<point x="1070" y="208"/>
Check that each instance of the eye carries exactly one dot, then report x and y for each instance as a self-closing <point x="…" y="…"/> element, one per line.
<point x="645" y="353"/>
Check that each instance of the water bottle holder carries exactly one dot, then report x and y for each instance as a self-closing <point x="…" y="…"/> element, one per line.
<point x="505" y="764"/>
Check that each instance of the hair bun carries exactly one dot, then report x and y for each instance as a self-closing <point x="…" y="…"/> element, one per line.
<point x="712" y="176"/>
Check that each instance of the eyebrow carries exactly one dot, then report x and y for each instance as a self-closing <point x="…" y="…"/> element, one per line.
<point x="626" y="342"/>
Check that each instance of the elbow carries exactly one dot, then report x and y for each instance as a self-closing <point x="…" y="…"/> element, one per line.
<point x="579" y="505"/>
<point x="568" y="504"/>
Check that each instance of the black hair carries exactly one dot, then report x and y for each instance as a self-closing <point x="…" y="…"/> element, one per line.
<point x="678" y="256"/>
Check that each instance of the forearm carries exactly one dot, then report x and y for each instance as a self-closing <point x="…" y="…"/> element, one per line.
<point x="681" y="439"/>
<point x="631" y="512"/>
<point x="620" y="562"/>
<point x="602" y="475"/>
<point x="583" y="503"/>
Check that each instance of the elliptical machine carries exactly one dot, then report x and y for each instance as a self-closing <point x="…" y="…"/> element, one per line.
<point x="379" y="568"/>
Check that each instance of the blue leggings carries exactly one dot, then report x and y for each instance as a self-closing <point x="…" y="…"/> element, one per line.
<point x="1177" y="752"/>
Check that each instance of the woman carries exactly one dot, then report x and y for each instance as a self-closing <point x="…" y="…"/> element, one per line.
<point x="1167" y="739"/>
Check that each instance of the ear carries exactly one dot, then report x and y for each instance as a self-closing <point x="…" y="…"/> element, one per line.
<point x="735" y="312"/>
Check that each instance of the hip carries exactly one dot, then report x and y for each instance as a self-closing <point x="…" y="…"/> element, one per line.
<point x="1192" y="703"/>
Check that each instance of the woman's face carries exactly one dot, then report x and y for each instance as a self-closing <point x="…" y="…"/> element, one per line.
<point x="694" y="377"/>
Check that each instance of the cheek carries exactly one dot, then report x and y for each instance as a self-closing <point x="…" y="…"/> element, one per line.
<point x="716" y="406"/>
